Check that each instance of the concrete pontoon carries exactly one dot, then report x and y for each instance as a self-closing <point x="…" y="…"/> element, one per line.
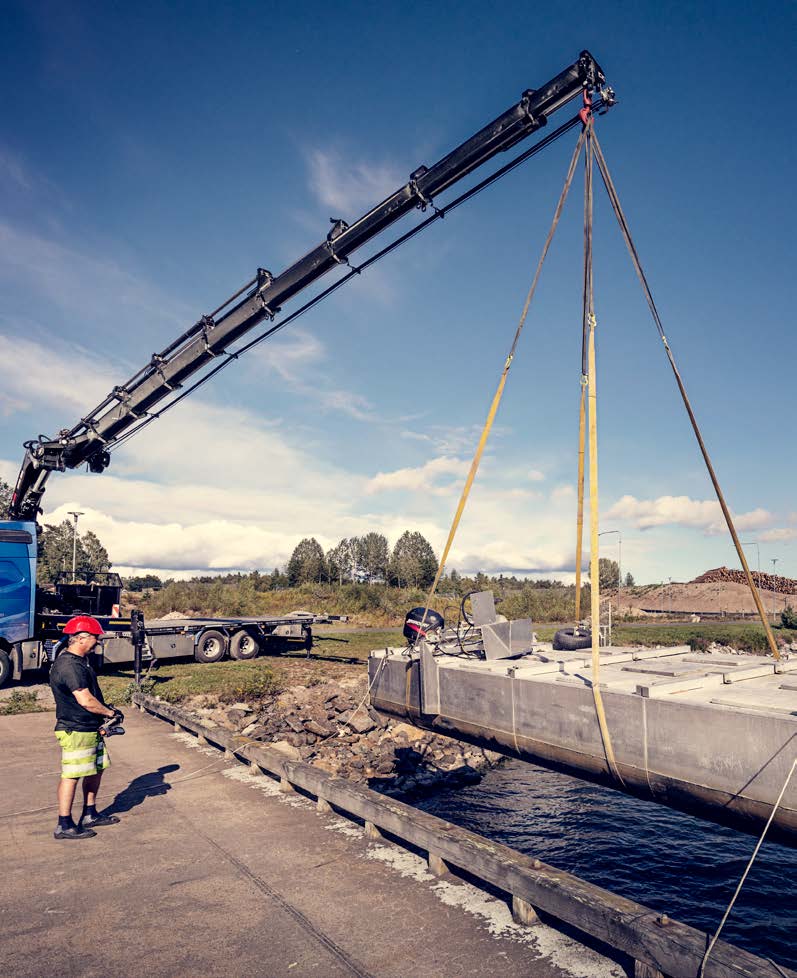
<point x="714" y="735"/>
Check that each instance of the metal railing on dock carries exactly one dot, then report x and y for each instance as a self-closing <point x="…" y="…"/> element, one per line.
<point x="661" y="947"/>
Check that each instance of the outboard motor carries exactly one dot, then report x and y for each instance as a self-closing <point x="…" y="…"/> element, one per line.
<point x="412" y="623"/>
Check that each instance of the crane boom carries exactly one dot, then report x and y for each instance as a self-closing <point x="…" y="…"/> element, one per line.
<point x="89" y="441"/>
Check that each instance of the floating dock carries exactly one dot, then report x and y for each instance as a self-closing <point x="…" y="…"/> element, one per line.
<point x="713" y="735"/>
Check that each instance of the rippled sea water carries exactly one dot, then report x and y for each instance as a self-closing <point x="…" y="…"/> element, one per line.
<point x="673" y="863"/>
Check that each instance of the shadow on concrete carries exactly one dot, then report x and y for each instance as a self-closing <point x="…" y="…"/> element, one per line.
<point x="144" y="786"/>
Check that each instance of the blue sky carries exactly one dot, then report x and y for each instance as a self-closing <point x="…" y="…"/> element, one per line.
<point x="152" y="156"/>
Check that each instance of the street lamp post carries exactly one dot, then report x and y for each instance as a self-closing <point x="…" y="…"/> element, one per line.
<point x="74" y="544"/>
<point x="774" y="561"/>
<point x="619" y="562"/>
<point x="754" y="543"/>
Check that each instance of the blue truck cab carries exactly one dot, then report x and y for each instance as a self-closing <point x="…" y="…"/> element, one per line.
<point x="17" y="593"/>
<point x="17" y="581"/>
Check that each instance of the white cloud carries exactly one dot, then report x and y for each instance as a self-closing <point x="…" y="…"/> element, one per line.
<point x="296" y="359"/>
<point x="562" y="494"/>
<point x="91" y="289"/>
<point x="778" y="533"/>
<point x="12" y="171"/>
<point x="347" y="187"/>
<point x="438" y="476"/>
<point x="34" y="374"/>
<point x="703" y="514"/>
<point x="534" y="475"/>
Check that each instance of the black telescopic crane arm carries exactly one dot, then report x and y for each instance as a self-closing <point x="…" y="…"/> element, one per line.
<point x="264" y="295"/>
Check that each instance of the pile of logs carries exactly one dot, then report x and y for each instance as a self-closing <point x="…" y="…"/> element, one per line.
<point x="766" y="582"/>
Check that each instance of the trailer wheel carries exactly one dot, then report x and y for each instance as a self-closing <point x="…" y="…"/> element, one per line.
<point x="5" y="667"/>
<point x="211" y="646"/>
<point x="244" y="645"/>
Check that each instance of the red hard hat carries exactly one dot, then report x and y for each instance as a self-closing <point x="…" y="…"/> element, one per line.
<point x="83" y="623"/>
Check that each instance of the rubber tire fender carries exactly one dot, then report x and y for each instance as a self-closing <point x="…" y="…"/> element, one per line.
<point x="5" y="667"/>
<point x="244" y="645"/>
<point x="211" y="646"/>
<point x="566" y="640"/>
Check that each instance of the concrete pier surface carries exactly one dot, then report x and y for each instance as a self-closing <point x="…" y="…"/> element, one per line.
<point x="214" y="871"/>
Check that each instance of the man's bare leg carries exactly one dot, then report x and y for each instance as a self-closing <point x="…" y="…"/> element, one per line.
<point x="91" y="785"/>
<point x="66" y="795"/>
<point x="91" y="817"/>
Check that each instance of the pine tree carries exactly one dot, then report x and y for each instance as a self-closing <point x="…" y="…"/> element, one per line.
<point x="413" y="561"/>
<point x="307" y="562"/>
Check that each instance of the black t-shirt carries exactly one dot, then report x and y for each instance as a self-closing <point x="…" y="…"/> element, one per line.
<point x="68" y="673"/>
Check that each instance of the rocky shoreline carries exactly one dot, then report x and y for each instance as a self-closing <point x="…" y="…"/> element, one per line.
<point x="330" y="727"/>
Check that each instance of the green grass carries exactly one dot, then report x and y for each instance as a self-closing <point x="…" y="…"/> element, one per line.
<point x="229" y="681"/>
<point x="21" y="702"/>
<point x="336" y="655"/>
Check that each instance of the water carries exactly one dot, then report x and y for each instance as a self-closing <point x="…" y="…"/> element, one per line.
<point x="672" y="863"/>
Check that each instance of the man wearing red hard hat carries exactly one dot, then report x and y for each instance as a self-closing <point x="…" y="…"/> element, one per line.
<point x="80" y="712"/>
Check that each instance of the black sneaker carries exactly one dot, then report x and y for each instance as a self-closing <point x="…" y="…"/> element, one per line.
<point x="90" y="823"/>
<point x="73" y="832"/>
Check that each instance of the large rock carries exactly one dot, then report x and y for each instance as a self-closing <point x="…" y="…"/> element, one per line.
<point x="320" y="728"/>
<point x="359" y="721"/>
<point x="406" y="731"/>
<point x="237" y="716"/>
<point x="256" y="731"/>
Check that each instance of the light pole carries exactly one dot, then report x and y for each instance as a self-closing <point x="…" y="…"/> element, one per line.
<point x="774" y="561"/>
<point x="619" y="561"/>
<point x="669" y="592"/>
<point x="74" y="544"/>
<point x="754" y="543"/>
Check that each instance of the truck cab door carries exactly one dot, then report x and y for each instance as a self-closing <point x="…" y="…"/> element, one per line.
<point x="17" y="580"/>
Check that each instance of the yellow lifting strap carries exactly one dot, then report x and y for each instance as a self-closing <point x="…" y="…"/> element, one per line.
<point x="589" y="371"/>
<point x="625" y="231"/>
<point x="594" y="576"/>
<point x="474" y="467"/>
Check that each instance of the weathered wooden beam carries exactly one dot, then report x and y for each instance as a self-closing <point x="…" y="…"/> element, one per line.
<point x="655" y="941"/>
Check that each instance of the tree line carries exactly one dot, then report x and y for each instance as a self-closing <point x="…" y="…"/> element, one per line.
<point x="366" y="559"/>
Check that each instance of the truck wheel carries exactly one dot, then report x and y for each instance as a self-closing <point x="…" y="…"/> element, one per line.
<point x="211" y="646"/>
<point x="244" y="645"/>
<point x="5" y="667"/>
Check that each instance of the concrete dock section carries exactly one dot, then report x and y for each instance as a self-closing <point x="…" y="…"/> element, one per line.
<point x="709" y="734"/>
<point x="213" y="871"/>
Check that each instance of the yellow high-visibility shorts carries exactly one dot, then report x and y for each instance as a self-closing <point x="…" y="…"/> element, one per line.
<point x="82" y="754"/>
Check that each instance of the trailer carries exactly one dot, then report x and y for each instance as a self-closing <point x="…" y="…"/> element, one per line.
<point x="213" y="639"/>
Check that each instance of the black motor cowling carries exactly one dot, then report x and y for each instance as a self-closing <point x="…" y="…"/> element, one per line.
<point x="413" y="627"/>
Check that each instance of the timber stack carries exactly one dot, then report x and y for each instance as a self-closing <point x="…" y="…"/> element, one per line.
<point x="767" y="582"/>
